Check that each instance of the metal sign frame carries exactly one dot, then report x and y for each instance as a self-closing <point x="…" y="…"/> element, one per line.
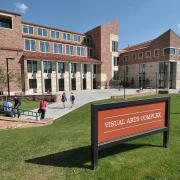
<point x="95" y="108"/>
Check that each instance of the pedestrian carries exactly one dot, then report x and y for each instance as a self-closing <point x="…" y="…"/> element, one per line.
<point x="72" y="99"/>
<point x="17" y="104"/>
<point x="43" y="107"/>
<point x="63" y="99"/>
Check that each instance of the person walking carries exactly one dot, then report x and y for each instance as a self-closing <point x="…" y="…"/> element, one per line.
<point x="43" y="107"/>
<point x="63" y="99"/>
<point x="17" y="104"/>
<point x="72" y="99"/>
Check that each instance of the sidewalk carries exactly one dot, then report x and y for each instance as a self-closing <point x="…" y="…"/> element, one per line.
<point x="56" y="110"/>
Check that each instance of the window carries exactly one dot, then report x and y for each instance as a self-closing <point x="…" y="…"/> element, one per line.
<point x="77" y="38"/>
<point x="57" y="48"/>
<point x="69" y="49"/>
<point x="47" y="66"/>
<point x="44" y="46"/>
<point x="5" y="22"/>
<point x="84" y="68"/>
<point x="32" y="66"/>
<point x="140" y="55"/>
<point x="127" y="70"/>
<point x="114" y="46"/>
<point x="68" y="36"/>
<point x="163" y="74"/>
<point x="95" y="68"/>
<point x="30" y="45"/>
<point x="125" y="58"/>
<point x="42" y="32"/>
<point x="116" y="75"/>
<point x="55" y="34"/>
<point x="80" y="51"/>
<point x="90" y="52"/>
<point x="64" y="36"/>
<point x="178" y="52"/>
<point x="86" y="40"/>
<point x="28" y="29"/>
<point x="73" y="68"/>
<point x="32" y="83"/>
<point x="169" y="51"/>
<point x="115" y="61"/>
<point x="156" y="52"/>
<point x="61" y="67"/>
<point x="148" y="54"/>
<point x="134" y="56"/>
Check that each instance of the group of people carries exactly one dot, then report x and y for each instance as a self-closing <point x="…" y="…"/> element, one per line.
<point x="64" y="99"/>
<point x="11" y="110"/>
<point x="43" y="104"/>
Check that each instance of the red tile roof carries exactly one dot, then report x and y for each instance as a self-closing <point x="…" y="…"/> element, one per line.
<point x="67" y="58"/>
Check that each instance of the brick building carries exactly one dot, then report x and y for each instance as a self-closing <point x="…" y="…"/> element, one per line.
<point x="51" y="60"/>
<point x="154" y="63"/>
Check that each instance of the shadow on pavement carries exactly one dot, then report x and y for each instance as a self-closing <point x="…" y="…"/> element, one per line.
<point x="78" y="157"/>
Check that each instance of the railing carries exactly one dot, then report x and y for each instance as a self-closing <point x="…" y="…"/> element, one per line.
<point x="20" y="111"/>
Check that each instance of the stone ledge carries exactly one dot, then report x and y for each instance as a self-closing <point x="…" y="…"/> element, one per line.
<point x="12" y="123"/>
<point x="134" y="95"/>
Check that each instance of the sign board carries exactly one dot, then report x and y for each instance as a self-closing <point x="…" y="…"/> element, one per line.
<point x="115" y="123"/>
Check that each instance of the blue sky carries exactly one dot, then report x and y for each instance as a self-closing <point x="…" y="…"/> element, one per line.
<point x="139" y="20"/>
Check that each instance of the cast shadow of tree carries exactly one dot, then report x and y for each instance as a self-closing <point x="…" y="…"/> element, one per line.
<point x="79" y="157"/>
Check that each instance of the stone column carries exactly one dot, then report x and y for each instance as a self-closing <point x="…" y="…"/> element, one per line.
<point x="42" y="77"/>
<point x="92" y="73"/>
<point x="69" y="76"/>
<point x="81" y="75"/>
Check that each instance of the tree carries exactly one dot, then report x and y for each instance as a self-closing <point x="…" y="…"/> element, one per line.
<point x="3" y="79"/>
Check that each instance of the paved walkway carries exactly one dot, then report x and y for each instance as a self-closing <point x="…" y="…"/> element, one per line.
<point x="56" y="110"/>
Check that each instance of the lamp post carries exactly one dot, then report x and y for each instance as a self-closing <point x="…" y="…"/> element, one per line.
<point x="124" y="84"/>
<point x="7" y="71"/>
<point x="156" y="84"/>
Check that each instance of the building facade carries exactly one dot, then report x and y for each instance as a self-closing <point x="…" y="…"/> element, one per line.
<point x="45" y="59"/>
<point x="154" y="63"/>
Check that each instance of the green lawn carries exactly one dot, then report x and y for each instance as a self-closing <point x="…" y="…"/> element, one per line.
<point x="28" y="105"/>
<point x="62" y="151"/>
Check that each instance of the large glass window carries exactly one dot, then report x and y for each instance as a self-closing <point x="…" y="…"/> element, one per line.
<point x="42" y="32"/>
<point x="114" y="46"/>
<point x="115" y="61"/>
<point x="32" y="66"/>
<point x="77" y="38"/>
<point x="32" y="83"/>
<point x="116" y="75"/>
<point x="27" y="29"/>
<point x="69" y="49"/>
<point x="44" y="46"/>
<point x="55" y="34"/>
<point x="30" y="45"/>
<point x="5" y="22"/>
<point x="80" y="51"/>
<point x="169" y="51"/>
<point x="90" y="52"/>
<point x="163" y="74"/>
<point x="95" y="68"/>
<point x="68" y="36"/>
<point x="47" y="66"/>
<point x="156" y="52"/>
<point x="64" y="36"/>
<point x="73" y="68"/>
<point x="61" y="67"/>
<point x="84" y="68"/>
<point x="57" y="48"/>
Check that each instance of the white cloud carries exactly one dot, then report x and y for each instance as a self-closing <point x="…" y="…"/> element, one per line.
<point x="178" y="25"/>
<point x="21" y="7"/>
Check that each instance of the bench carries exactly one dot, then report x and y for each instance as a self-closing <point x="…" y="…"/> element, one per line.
<point x="22" y="112"/>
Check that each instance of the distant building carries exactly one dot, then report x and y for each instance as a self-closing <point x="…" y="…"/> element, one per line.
<point x="160" y="57"/>
<point x="51" y="60"/>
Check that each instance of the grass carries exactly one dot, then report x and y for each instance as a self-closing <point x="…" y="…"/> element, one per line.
<point x="62" y="151"/>
<point x="28" y="105"/>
